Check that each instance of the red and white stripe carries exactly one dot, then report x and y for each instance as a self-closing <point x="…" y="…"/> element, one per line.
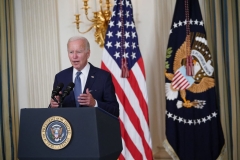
<point x="132" y="97"/>
<point x="179" y="82"/>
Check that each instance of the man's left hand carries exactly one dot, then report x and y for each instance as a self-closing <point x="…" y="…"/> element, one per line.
<point x="86" y="99"/>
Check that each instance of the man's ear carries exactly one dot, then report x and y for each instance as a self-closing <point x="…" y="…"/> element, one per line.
<point x="88" y="53"/>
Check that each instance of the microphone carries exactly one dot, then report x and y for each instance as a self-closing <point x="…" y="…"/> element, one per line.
<point x="68" y="89"/>
<point x="56" y="91"/>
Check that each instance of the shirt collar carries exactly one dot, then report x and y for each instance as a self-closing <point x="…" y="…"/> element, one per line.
<point x="84" y="71"/>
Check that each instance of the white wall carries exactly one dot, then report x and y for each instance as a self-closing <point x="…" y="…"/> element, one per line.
<point x="67" y="29"/>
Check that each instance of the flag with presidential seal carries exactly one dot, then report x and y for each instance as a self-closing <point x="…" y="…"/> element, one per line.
<point x="193" y="128"/>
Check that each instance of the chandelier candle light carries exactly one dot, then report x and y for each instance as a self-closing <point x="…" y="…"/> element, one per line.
<point x="99" y="21"/>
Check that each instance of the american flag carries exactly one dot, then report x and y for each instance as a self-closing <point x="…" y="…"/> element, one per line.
<point x="121" y="49"/>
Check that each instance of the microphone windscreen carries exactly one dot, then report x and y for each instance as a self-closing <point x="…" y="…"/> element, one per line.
<point x="68" y="89"/>
<point x="71" y="85"/>
<point x="56" y="90"/>
<point x="60" y="85"/>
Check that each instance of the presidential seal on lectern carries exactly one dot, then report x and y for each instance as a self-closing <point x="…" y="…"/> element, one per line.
<point x="56" y="132"/>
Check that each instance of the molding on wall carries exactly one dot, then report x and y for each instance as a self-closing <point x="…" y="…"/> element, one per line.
<point x="161" y="154"/>
<point x="40" y="26"/>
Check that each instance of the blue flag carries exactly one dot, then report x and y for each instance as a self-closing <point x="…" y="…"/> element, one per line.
<point x="193" y="128"/>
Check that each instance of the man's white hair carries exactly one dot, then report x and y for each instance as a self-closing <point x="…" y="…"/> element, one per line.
<point x="87" y="45"/>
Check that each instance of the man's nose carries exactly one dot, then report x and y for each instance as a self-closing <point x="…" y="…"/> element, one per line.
<point x="75" y="55"/>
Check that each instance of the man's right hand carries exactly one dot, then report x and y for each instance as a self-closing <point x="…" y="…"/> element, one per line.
<point x="54" y="104"/>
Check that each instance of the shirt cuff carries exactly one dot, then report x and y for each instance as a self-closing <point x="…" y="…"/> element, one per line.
<point x="96" y="104"/>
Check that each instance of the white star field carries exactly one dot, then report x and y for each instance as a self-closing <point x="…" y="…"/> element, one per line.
<point x="181" y="23"/>
<point x="191" y="121"/>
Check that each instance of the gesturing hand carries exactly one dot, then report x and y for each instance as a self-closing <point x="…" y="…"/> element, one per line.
<point x="86" y="99"/>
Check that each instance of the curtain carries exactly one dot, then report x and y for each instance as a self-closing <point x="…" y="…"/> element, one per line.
<point x="222" y="26"/>
<point x="9" y="112"/>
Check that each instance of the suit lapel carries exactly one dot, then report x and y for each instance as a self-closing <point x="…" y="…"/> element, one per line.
<point x="91" y="77"/>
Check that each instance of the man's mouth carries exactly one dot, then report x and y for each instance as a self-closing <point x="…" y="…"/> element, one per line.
<point x="75" y="62"/>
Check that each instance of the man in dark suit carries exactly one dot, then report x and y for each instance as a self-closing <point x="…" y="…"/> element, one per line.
<point x="96" y="86"/>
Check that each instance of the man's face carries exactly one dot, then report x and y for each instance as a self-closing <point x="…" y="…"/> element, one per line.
<point x="78" y="54"/>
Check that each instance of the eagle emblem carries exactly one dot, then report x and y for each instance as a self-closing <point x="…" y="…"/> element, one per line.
<point x="56" y="133"/>
<point x="202" y="78"/>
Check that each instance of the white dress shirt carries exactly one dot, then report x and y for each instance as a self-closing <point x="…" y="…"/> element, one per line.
<point x="83" y="77"/>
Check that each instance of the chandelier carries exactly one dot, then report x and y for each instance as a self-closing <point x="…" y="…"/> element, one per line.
<point x="99" y="21"/>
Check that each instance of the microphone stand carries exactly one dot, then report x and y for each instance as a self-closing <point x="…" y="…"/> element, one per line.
<point x="54" y="99"/>
<point x="60" y="103"/>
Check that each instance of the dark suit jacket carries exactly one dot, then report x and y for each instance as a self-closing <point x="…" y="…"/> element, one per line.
<point x="99" y="81"/>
